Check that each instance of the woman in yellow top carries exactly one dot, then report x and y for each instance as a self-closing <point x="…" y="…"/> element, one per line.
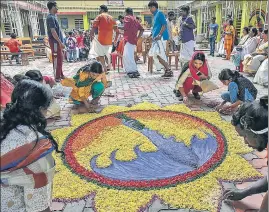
<point x="90" y="80"/>
<point x="229" y="38"/>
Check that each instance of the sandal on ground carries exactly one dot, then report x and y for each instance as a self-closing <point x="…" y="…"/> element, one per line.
<point x="137" y="73"/>
<point x="196" y="96"/>
<point x="168" y="74"/>
<point x="133" y="75"/>
<point x="177" y="93"/>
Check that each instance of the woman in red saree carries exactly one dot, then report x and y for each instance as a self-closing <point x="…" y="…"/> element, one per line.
<point x="6" y="91"/>
<point x="193" y="72"/>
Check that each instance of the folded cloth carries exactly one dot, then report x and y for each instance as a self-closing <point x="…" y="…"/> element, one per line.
<point x="208" y="86"/>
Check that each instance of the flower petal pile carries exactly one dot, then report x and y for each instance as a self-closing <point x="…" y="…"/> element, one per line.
<point x="103" y="140"/>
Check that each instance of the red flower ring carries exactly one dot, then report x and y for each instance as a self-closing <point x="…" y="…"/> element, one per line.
<point x="212" y="163"/>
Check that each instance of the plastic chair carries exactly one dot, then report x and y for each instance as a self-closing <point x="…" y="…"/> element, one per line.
<point x="116" y="58"/>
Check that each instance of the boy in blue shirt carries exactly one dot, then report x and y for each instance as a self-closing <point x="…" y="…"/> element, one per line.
<point x="159" y="36"/>
<point x="212" y="35"/>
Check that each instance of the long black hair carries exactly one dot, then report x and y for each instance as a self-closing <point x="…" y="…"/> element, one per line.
<point x="34" y="75"/>
<point x="246" y="29"/>
<point x="254" y="30"/>
<point x="18" y="77"/>
<point x="228" y="74"/>
<point x="27" y="100"/>
<point x="255" y="115"/>
<point x="93" y="66"/>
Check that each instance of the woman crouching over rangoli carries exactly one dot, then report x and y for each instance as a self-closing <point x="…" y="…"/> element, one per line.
<point x="193" y="74"/>
<point x="90" y="81"/>
<point x="240" y="89"/>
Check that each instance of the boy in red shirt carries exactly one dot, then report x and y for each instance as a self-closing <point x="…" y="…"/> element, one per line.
<point x="13" y="46"/>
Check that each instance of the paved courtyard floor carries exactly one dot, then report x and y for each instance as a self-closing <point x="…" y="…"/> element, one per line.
<point x="151" y="88"/>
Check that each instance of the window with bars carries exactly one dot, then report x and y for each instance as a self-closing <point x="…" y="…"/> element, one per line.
<point x="79" y="23"/>
<point x="8" y="29"/>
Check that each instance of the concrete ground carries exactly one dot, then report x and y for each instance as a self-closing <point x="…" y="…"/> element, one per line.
<point x="151" y="88"/>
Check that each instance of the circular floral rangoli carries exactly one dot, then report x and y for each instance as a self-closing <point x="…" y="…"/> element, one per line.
<point x="125" y="157"/>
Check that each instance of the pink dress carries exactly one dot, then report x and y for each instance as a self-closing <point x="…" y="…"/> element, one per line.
<point x="6" y="91"/>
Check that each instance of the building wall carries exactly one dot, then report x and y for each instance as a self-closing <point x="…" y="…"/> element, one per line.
<point x="132" y="4"/>
<point x="25" y="29"/>
<point x="71" y="20"/>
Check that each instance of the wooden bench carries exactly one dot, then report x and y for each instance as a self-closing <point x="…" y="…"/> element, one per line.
<point x="24" y="57"/>
<point x="29" y="50"/>
<point x="26" y="45"/>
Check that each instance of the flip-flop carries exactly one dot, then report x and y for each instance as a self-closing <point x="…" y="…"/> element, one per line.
<point x="132" y="75"/>
<point x="168" y="74"/>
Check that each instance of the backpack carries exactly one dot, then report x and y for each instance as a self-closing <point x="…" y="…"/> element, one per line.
<point x="71" y="43"/>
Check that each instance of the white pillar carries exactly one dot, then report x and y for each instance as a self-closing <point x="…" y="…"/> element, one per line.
<point x="18" y="22"/>
<point x="45" y="23"/>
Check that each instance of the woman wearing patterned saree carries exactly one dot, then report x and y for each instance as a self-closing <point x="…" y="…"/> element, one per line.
<point x="229" y="38"/>
<point x="253" y="61"/>
<point x="27" y="165"/>
<point x="90" y="80"/>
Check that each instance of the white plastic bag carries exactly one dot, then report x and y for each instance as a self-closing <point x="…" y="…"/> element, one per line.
<point x="61" y="91"/>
